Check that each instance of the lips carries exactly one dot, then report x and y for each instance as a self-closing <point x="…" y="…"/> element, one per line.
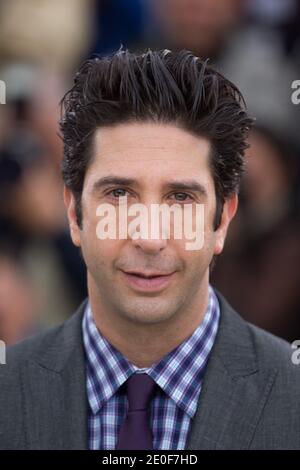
<point x="147" y="275"/>
<point x="145" y="281"/>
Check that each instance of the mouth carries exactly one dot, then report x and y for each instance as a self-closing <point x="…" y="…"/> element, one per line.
<point x="148" y="281"/>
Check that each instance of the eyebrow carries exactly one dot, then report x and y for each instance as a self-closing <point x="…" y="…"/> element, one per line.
<point x="188" y="185"/>
<point x="109" y="180"/>
<point x="176" y="185"/>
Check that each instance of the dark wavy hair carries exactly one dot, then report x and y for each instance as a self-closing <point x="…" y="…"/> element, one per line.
<point x="161" y="86"/>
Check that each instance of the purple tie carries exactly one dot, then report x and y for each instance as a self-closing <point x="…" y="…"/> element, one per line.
<point x="135" y="432"/>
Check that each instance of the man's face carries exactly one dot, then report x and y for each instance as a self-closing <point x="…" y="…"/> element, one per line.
<point x="161" y="164"/>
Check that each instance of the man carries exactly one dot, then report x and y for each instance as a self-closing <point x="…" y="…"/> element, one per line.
<point x="155" y="358"/>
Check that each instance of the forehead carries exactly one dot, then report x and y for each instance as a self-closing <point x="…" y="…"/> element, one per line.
<point x="149" y="151"/>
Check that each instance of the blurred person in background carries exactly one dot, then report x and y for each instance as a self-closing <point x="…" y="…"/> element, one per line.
<point x="284" y="17"/>
<point x="202" y="26"/>
<point x="248" y="41"/>
<point x="52" y="33"/>
<point x="32" y="220"/>
<point x="32" y="224"/>
<point x="40" y="44"/>
<point x="260" y="268"/>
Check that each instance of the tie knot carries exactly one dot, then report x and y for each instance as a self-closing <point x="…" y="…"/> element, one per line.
<point x="140" y="388"/>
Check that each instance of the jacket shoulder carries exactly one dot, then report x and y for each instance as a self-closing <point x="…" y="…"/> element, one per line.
<point x="50" y="349"/>
<point x="45" y="342"/>
<point x="32" y="348"/>
<point x="243" y="341"/>
<point x="271" y="350"/>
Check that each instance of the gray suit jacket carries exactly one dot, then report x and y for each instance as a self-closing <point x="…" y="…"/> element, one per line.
<point x="249" y="400"/>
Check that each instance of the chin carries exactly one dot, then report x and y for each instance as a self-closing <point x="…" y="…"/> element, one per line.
<point x="149" y="320"/>
<point x="147" y="316"/>
<point x="148" y="310"/>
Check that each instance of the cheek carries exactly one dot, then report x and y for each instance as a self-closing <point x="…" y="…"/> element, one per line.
<point x="204" y="233"/>
<point x="196" y="259"/>
<point x="99" y="257"/>
<point x="99" y="251"/>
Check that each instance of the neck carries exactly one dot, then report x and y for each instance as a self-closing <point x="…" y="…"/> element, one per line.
<point x="144" y="344"/>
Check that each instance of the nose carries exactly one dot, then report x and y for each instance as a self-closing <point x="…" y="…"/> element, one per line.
<point x="151" y="236"/>
<point x="150" y="246"/>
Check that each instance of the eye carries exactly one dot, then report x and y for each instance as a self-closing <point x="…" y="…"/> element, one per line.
<point x="118" y="192"/>
<point x="182" y="197"/>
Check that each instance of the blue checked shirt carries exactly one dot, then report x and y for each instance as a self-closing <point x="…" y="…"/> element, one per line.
<point x="179" y="375"/>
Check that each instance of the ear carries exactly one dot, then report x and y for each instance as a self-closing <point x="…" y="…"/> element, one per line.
<point x="229" y="210"/>
<point x="69" y="201"/>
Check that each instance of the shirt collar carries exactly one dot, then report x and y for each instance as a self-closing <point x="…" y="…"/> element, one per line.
<point x="179" y="373"/>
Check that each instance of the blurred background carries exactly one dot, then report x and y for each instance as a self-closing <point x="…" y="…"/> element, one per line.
<point x="255" y="43"/>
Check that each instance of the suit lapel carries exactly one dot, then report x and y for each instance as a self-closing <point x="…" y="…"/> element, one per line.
<point x="234" y="390"/>
<point x="55" y="399"/>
